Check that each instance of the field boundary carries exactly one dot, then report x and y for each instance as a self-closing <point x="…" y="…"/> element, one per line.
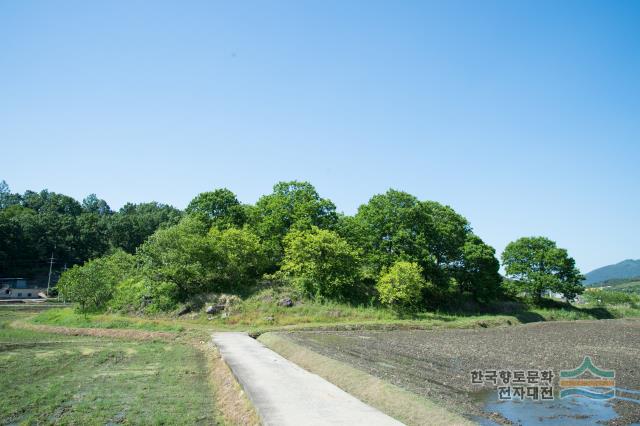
<point x="497" y="321"/>
<point x="399" y="403"/>
<point x="118" y="333"/>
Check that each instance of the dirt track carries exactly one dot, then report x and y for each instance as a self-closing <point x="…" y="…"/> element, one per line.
<point x="438" y="364"/>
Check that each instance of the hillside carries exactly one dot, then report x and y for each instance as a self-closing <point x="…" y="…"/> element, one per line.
<point x="626" y="269"/>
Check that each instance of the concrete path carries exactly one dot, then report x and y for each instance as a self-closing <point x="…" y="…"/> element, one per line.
<point x="285" y="394"/>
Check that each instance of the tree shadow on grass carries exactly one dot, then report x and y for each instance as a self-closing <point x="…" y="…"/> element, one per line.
<point x="523" y="310"/>
<point x="529" y="316"/>
<point x="597" y="312"/>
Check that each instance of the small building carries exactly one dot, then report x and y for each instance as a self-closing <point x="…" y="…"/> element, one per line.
<point x="18" y="288"/>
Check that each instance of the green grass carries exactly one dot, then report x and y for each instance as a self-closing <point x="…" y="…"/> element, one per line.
<point x="66" y="317"/>
<point x="261" y="312"/>
<point x="49" y="378"/>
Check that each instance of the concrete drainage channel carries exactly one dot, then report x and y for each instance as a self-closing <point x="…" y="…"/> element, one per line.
<point x="285" y="394"/>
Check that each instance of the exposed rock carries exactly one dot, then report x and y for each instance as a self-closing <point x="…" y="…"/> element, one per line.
<point x="286" y="302"/>
<point x="214" y="309"/>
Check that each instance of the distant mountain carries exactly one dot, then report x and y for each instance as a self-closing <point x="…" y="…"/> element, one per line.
<point x="626" y="269"/>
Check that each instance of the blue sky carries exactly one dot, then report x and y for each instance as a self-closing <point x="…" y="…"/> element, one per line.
<point x="523" y="116"/>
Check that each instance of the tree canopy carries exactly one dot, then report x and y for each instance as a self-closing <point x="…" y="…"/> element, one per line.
<point x="35" y="225"/>
<point x="291" y="205"/>
<point x="220" y="207"/>
<point x="537" y="265"/>
<point x="396" y="250"/>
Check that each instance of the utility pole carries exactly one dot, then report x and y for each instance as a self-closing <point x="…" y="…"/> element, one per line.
<point x="50" y="268"/>
<point x="63" y="270"/>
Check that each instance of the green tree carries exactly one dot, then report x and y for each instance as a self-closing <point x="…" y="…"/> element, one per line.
<point x="239" y="258"/>
<point x="320" y="262"/>
<point x="538" y="265"/>
<point x="221" y="207"/>
<point x="51" y="202"/>
<point x="479" y="272"/>
<point x="5" y="192"/>
<point x="292" y="205"/>
<point x="182" y="255"/>
<point x="17" y="250"/>
<point x="91" y="285"/>
<point x="397" y="226"/>
<point x="93" y="204"/>
<point x="93" y="235"/>
<point x="401" y="285"/>
<point x="6" y="197"/>
<point x="134" y="223"/>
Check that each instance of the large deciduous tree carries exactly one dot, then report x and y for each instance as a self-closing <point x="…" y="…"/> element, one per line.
<point x="537" y="265"/>
<point x="397" y="226"/>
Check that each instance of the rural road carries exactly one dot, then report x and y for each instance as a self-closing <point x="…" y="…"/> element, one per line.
<point x="285" y="394"/>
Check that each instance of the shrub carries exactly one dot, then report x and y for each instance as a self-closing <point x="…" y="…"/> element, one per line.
<point x="128" y="295"/>
<point x="401" y="285"/>
<point x="144" y="295"/>
<point x="239" y="259"/>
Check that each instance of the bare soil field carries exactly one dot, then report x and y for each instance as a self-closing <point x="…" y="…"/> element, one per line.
<point x="437" y="364"/>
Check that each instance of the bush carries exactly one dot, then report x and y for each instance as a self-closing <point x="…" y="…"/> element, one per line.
<point x="320" y="263"/>
<point x="128" y="295"/>
<point x="239" y="259"/>
<point x="92" y="284"/>
<point x="401" y="285"/>
<point x="144" y="295"/>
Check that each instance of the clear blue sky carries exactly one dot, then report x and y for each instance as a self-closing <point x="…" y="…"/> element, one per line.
<point x="523" y="116"/>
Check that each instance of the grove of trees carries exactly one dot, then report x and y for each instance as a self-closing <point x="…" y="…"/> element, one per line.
<point x="35" y="225"/>
<point x="396" y="250"/>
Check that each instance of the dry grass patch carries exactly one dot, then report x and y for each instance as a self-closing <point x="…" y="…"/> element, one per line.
<point x="230" y="399"/>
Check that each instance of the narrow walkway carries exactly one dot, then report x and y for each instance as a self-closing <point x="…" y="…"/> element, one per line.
<point x="285" y="394"/>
